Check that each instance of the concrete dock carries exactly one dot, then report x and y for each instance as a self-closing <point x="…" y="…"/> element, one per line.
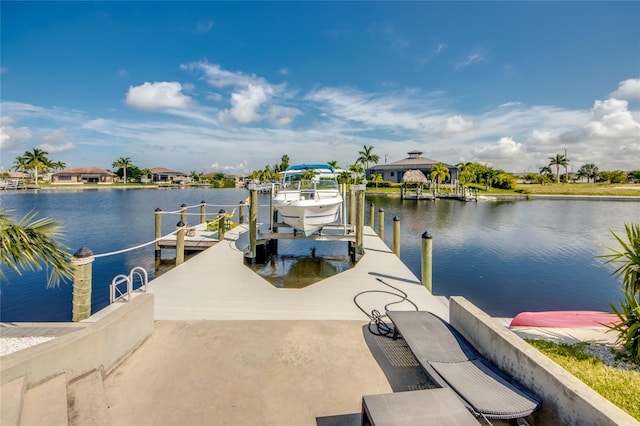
<point x="213" y="359"/>
<point x="216" y="285"/>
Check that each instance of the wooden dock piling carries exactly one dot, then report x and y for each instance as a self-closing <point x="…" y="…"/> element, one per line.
<point x="180" y="243"/>
<point x="82" y="277"/>
<point x="396" y="235"/>
<point x="381" y="224"/>
<point x="158" y="234"/>
<point x="426" y="263"/>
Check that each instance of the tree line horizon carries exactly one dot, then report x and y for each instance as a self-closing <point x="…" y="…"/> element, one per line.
<point x="38" y="162"/>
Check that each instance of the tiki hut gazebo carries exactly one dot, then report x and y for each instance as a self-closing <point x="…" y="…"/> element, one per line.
<point x="413" y="185"/>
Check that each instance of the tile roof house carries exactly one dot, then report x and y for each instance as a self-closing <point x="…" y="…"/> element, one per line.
<point x="393" y="172"/>
<point x="83" y="175"/>
<point x="160" y="174"/>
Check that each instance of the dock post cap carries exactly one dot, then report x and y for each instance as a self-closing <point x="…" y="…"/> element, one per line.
<point x="158" y="209"/>
<point x="221" y="211"/>
<point x="241" y="203"/>
<point x="203" y="202"/>
<point x="180" y="224"/>
<point x="426" y="235"/>
<point x="380" y="209"/>
<point x="83" y="252"/>
<point x="396" y="219"/>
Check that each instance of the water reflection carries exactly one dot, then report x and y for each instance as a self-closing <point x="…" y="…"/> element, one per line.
<point x="300" y="271"/>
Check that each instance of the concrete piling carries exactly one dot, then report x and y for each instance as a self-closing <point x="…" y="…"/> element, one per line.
<point x="82" y="277"/>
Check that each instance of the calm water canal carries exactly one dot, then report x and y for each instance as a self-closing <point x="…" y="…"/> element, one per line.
<point x="506" y="257"/>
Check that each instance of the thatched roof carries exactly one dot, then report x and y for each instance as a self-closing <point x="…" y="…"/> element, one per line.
<point x="414" y="176"/>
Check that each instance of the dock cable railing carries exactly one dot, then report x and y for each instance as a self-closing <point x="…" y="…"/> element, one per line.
<point x="116" y="290"/>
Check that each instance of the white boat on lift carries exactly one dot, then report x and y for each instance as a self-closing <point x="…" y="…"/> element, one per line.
<point x="308" y="197"/>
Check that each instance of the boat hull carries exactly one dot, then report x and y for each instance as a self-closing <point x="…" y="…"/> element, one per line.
<point x="308" y="216"/>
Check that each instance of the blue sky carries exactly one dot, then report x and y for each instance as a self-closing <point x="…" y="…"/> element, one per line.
<point x="232" y="86"/>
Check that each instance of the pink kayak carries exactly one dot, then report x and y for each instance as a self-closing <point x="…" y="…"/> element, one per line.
<point x="568" y="319"/>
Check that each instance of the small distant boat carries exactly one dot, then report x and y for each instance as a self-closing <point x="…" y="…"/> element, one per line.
<point x="565" y="319"/>
<point x="308" y="197"/>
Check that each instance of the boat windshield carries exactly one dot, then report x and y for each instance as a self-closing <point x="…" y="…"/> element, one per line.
<point x="295" y="181"/>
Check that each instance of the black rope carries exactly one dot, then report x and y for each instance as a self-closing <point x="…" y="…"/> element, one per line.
<point x="377" y="326"/>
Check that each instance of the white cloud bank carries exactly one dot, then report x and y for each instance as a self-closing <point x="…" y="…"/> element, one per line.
<point x="242" y="117"/>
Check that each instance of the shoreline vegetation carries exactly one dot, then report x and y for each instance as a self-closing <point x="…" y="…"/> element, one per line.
<point x="522" y="191"/>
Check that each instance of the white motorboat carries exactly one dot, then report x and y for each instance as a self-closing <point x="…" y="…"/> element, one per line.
<point x="308" y="197"/>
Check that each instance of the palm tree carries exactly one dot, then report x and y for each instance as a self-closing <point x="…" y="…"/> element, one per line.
<point x="557" y="161"/>
<point x="333" y="163"/>
<point x="439" y="172"/>
<point x="58" y="165"/>
<point x="123" y="163"/>
<point x="37" y="160"/>
<point x="20" y="164"/>
<point x="28" y="244"/>
<point x="366" y="156"/>
<point x="357" y="171"/>
<point x="377" y="178"/>
<point x="145" y="172"/>
<point x="589" y="171"/>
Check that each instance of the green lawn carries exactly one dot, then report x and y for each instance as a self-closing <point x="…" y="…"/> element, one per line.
<point x="621" y="387"/>
<point x="602" y="189"/>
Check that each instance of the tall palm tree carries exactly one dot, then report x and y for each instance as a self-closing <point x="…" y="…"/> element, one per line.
<point x="367" y="156"/>
<point x="439" y="172"/>
<point x="123" y="163"/>
<point x="37" y="161"/>
<point x="557" y="161"/>
<point x="28" y="244"/>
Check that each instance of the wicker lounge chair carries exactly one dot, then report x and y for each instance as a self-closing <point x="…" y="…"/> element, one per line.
<point x="452" y="362"/>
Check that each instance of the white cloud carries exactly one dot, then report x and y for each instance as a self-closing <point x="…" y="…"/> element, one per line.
<point x="612" y="119"/>
<point x="246" y="103"/>
<point x="158" y="95"/>
<point x="456" y="124"/>
<point x="628" y="89"/>
<point x="283" y="116"/>
<point x="54" y="149"/>
<point x="12" y="137"/>
<point x="472" y="58"/>
<point x="505" y="148"/>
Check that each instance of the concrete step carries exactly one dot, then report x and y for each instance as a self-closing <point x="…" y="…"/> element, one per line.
<point x="46" y="404"/>
<point x="11" y="398"/>
<point x="88" y="402"/>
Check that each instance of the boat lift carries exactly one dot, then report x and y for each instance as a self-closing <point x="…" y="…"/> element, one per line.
<point x="261" y="244"/>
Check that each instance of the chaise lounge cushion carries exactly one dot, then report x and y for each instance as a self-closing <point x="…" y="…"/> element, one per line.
<point x="452" y="362"/>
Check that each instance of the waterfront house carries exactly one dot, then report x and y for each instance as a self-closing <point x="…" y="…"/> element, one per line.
<point x="160" y="174"/>
<point x="393" y="172"/>
<point x="83" y="175"/>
